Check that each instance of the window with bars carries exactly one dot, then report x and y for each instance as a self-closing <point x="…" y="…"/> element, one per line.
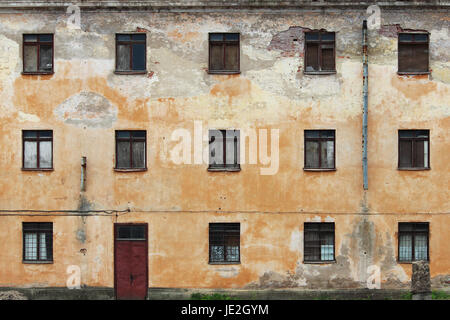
<point x="413" y="149"/>
<point x="318" y="241"/>
<point x="37" y="241"/>
<point x="37" y="150"/>
<point x="413" y="241"/>
<point x="224" y="150"/>
<point x="38" y="53"/>
<point x="131" y="232"/>
<point x="413" y="53"/>
<point x="131" y="149"/>
<point x="224" y="53"/>
<point x="319" y="52"/>
<point x="224" y="242"/>
<point x="131" y="53"/>
<point x="319" y="149"/>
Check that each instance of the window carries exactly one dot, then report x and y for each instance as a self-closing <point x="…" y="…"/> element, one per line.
<point x="37" y="149"/>
<point x="38" y="53"/>
<point x="319" y="241"/>
<point x="413" y="53"/>
<point x="224" y="52"/>
<point x="319" y="149"/>
<point x="224" y="150"/>
<point x="319" y="52"/>
<point x="131" y="53"/>
<point x="224" y="242"/>
<point x="131" y="232"/>
<point x="130" y="150"/>
<point x="37" y="241"/>
<point x="412" y="241"/>
<point x="413" y="149"/>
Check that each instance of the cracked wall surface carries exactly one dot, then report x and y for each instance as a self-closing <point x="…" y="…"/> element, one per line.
<point x="83" y="102"/>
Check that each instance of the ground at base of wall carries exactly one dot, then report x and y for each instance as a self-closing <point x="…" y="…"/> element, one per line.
<point x="96" y="293"/>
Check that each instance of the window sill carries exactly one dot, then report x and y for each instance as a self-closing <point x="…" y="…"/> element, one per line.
<point x="319" y="72"/>
<point x="130" y="170"/>
<point x="224" y="262"/>
<point x="130" y="72"/>
<point x="37" y="262"/>
<point x="401" y="73"/>
<point x="320" y="262"/>
<point x="37" y="169"/>
<point x="37" y="73"/>
<point x="410" y="262"/>
<point x="319" y="169"/>
<point x="224" y="169"/>
<point x="413" y="169"/>
<point x="223" y="72"/>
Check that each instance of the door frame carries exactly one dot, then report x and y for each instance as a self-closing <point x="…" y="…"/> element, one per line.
<point x="115" y="252"/>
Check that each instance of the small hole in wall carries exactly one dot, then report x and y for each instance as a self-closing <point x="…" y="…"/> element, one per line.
<point x="365" y="252"/>
<point x="295" y="40"/>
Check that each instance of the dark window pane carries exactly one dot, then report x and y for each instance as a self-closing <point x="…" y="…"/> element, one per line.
<point x="327" y="59"/>
<point x="138" y="134"/>
<point x="138" y="232"/>
<point x="138" y="154"/>
<point x="419" y="153"/>
<point x="422" y="133"/>
<point x="45" y="58"/>
<point x="232" y="36"/>
<point x="407" y="133"/>
<point x="405" y="226"/>
<point x="30" y="58"/>
<point x="327" y="36"/>
<point x="30" y="134"/>
<point x="232" y="57"/>
<point x="123" y="134"/>
<point x="139" y="56"/>
<point x="123" y="57"/>
<point x="312" y="154"/>
<point x="46" y="38"/>
<point x="312" y="58"/>
<point x="421" y="57"/>
<point x="30" y="37"/>
<point x="327" y="154"/>
<point x="123" y="154"/>
<point x="421" y="37"/>
<point x="123" y="37"/>
<point x="139" y="37"/>
<point x="45" y="134"/>
<point x="124" y="232"/>
<point x="312" y="133"/>
<point x="216" y="59"/>
<point x="405" y="37"/>
<point x="405" y="150"/>
<point x="312" y="36"/>
<point x="215" y="36"/>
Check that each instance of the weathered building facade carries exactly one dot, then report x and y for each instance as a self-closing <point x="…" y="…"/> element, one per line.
<point x="79" y="101"/>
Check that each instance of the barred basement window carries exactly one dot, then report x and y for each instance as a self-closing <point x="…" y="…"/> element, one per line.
<point x="131" y="149"/>
<point x="37" y="53"/>
<point x="413" y="241"/>
<point x="37" y="150"/>
<point x="224" y="242"/>
<point x="318" y="241"/>
<point x="320" y="52"/>
<point x="224" y="53"/>
<point x="37" y="241"/>
<point x="413" y="53"/>
<point x="319" y="149"/>
<point x="413" y="149"/>
<point x="224" y="150"/>
<point x="131" y="53"/>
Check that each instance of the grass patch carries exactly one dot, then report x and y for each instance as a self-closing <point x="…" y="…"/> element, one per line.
<point x="406" y="296"/>
<point x="440" y="295"/>
<point x="214" y="296"/>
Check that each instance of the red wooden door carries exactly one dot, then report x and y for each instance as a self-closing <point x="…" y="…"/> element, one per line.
<point x="130" y="260"/>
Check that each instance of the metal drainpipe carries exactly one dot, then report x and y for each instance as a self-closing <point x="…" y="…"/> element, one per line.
<point x="365" y="103"/>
